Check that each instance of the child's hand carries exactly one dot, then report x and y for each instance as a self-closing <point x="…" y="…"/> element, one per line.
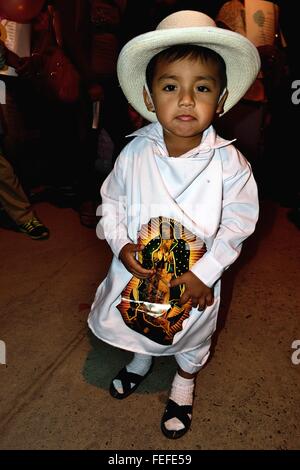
<point x="201" y="295"/>
<point x="127" y="256"/>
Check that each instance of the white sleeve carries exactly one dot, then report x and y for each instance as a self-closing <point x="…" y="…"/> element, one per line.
<point x="239" y="216"/>
<point x="113" y="222"/>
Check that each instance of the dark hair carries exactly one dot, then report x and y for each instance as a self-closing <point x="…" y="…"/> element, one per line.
<point x="187" y="50"/>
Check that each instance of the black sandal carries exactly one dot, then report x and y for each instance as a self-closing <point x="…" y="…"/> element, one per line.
<point x="127" y="378"/>
<point x="173" y="410"/>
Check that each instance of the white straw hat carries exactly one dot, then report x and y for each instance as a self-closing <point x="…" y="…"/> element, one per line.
<point x="187" y="27"/>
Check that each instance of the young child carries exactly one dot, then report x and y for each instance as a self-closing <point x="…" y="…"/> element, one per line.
<point x="177" y="206"/>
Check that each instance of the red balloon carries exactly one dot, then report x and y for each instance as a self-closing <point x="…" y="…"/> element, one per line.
<point x="20" y="11"/>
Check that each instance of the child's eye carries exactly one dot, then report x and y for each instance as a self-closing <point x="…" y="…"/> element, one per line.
<point x="169" y="87"/>
<point x="202" y="88"/>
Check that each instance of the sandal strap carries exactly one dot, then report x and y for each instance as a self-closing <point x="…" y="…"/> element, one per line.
<point x="128" y="378"/>
<point x="181" y="412"/>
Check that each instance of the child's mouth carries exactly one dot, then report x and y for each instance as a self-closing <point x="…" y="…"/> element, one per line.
<point x="185" y="117"/>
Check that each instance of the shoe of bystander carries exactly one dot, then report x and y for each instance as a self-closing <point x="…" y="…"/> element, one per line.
<point x="34" y="229"/>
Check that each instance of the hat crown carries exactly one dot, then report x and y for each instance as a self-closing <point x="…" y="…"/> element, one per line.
<point x="186" y="19"/>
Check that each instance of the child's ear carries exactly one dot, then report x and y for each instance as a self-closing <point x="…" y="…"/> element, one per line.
<point x="220" y="107"/>
<point x="148" y="101"/>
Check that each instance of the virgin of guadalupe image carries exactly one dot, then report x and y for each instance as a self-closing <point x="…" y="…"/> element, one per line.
<point x="169" y="256"/>
<point x="150" y="306"/>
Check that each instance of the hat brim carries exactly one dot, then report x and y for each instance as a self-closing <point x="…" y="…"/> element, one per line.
<point x="239" y="54"/>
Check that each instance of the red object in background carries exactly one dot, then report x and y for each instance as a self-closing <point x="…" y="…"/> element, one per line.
<point x="20" y="11"/>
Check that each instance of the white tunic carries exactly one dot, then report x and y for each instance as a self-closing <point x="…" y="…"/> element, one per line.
<point x="210" y="190"/>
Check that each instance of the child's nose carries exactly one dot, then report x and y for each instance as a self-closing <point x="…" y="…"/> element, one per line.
<point x="186" y="98"/>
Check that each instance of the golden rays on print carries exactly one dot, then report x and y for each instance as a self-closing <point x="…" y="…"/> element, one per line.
<point x="150" y="306"/>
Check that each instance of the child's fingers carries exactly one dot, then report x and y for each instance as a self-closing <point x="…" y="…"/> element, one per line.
<point x="176" y="282"/>
<point x="209" y="299"/>
<point x="140" y="276"/>
<point x="185" y="297"/>
<point x="205" y="301"/>
<point x="138" y="269"/>
<point x="201" y="303"/>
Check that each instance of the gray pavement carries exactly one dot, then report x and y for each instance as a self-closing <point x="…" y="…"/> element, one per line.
<point x="54" y="387"/>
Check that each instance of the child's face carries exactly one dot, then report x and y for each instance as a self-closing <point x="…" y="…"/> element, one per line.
<point x="185" y="94"/>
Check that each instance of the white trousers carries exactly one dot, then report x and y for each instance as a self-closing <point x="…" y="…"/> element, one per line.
<point x="192" y="361"/>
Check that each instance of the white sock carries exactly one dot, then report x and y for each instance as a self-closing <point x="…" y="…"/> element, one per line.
<point x="182" y="393"/>
<point x="140" y="365"/>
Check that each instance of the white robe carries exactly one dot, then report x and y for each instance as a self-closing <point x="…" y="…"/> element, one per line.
<point x="210" y="190"/>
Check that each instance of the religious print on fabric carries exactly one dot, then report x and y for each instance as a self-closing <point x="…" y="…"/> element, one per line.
<point x="150" y="306"/>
